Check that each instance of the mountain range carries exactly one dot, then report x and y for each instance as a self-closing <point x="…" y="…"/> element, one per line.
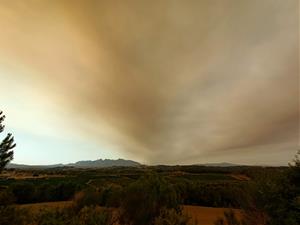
<point x="99" y="163"/>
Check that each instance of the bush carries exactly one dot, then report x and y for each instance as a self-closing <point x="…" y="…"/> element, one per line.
<point x="87" y="197"/>
<point x="24" y="192"/>
<point x="29" y="192"/>
<point x="11" y="215"/>
<point x="95" y="216"/>
<point x="230" y="219"/>
<point x="215" y="194"/>
<point x="144" y="200"/>
<point x="272" y="198"/>
<point x="56" y="217"/>
<point x="88" y="215"/>
<point x="6" y="197"/>
<point x="171" y="217"/>
<point x="111" y="195"/>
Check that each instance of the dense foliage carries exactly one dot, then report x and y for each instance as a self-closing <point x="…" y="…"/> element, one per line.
<point x="206" y="187"/>
<point x="6" y="146"/>
<point x="153" y="195"/>
<point x="67" y="216"/>
<point x="150" y="200"/>
<point x="270" y="199"/>
<point x="150" y="195"/>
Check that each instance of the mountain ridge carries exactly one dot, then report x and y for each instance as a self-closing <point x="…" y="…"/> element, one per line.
<point x="99" y="163"/>
<point x="221" y="164"/>
<point x="104" y="163"/>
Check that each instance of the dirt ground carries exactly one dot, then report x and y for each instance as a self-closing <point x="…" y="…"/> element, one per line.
<point x="200" y="215"/>
<point x="21" y="175"/>
<point x="240" y="177"/>
<point x="205" y="215"/>
<point x="35" y="207"/>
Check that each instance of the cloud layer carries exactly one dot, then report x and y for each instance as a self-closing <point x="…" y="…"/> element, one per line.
<point x="161" y="81"/>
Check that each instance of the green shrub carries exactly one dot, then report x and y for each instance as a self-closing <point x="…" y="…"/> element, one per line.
<point x="6" y="197"/>
<point x="88" y="215"/>
<point x="95" y="216"/>
<point x="111" y="195"/>
<point x="229" y="219"/>
<point x="171" y="217"/>
<point x="11" y="215"/>
<point x="144" y="199"/>
<point x="24" y="192"/>
<point x="87" y="197"/>
<point x="56" y="217"/>
<point x="271" y="198"/>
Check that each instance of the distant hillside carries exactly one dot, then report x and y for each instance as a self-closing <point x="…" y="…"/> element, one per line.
<point x="104" y="163"/>
<point x="100" y="163"/>
<point x="23" y="166"/>
<point x="223" y="164"/>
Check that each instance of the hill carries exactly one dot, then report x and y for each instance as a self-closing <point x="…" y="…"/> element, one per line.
<point x="100" y="163"/>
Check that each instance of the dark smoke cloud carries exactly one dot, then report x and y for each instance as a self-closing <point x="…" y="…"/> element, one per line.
<point x="165" y="81"/>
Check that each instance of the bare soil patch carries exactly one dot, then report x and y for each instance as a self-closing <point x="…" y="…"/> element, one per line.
<point x="199" y="214"/>
<point x="206" y="215"/>
<point x="35" y="207"/>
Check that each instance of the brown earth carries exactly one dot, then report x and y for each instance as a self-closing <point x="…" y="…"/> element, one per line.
<point x="20" y="175"/>
<point x="200" y="215"/>
<point x="35" y="207"/>
<point x="240" y="177"/>
<point x="206" y="215"/>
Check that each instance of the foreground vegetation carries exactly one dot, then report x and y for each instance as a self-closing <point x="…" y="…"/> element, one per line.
<point x="270" y="199"/>
<point x="194" y="185"/>
<point x="152" y="195"/>
<point x="155" y="198"/>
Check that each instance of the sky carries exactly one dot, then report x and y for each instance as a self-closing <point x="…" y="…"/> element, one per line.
<point x="159" y="82"/>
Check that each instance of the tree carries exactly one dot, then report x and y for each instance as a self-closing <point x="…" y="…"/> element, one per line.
<point x="6" y="146"/>
<point x="294" y="172"/>
<point x="272" y="199"/>
<point x="145" y="200"/>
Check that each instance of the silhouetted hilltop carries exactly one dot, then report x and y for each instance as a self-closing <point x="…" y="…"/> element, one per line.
<point x="222" y="164"/>
<point x="81" y="164"/>
<point x="104" y="163"/>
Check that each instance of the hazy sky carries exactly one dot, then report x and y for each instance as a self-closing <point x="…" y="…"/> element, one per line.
<point x="169" y="81"/>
